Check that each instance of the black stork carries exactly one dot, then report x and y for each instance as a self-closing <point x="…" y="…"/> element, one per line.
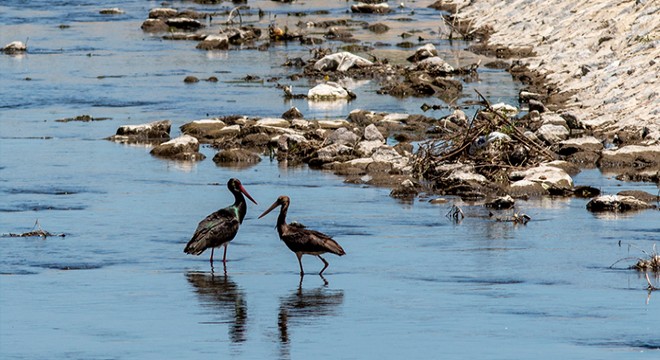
<point x="300" y="240"/>
<point x="220" y="228"/>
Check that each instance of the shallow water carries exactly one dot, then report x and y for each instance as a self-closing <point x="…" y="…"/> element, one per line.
<point x="413" y="283"/>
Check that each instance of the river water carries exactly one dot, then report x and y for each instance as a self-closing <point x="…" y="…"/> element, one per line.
<point x="413" y="283"/>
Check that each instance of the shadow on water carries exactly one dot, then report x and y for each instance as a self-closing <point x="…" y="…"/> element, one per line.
<point x="219" y="292"/>
<point x="302" y="305"/>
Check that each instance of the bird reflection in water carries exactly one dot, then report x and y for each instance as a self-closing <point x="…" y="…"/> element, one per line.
<point x="302" y="306"/>
<point x="219" y="292"/>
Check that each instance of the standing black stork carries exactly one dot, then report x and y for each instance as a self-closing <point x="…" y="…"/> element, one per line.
<point x="300" y="240"/>
<point x="220" y="228"/>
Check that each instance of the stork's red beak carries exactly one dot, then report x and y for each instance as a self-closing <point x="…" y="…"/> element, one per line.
<point x="275" y="204"/>
<point x="248" y="195"/>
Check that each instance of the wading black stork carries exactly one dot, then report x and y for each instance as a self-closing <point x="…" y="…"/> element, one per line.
<point x="220" y="228"/>
<point x="300" y="240"/>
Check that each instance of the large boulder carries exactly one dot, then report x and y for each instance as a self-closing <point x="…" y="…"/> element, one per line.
<point x="584" y="150"/>
<point x="205" y="129"/>
<point x="581" y="144"/>
<point x="554" y="179"/>
<point x="331" y="124"/>
<point x="184" y="147"/>
<point x="274" y="122"/>
<point x="631" y="155"/>
<point x="214" y="42"/>
<point x="156" y="131"/>
<point x="162" y="13"/>
<point x="184" y="23"/>
<point x="616" y="203"/>
<point x="343" y="136"/>
<point x="236" y="157"/>
<point x="154" y="26"/>
<point x="423" y="52"/>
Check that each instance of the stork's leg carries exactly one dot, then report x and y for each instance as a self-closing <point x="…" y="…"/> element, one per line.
<point x="324" y="262"/>
<point x="211" y="259"/>
<point x="299" y="256"/>
<point x="224" y="257"/>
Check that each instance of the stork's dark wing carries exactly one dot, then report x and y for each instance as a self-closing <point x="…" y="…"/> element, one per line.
<point x="311" y="241"/>
<point x="215" y="230"/>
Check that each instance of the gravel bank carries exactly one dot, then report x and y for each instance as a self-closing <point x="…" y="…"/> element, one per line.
<point x="604" y="53"/>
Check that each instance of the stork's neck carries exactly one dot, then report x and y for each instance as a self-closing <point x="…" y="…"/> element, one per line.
<point x="282" y="227"/>
<point x="239" y="205"/>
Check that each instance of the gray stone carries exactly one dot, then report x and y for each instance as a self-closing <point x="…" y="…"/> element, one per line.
<point x="184" y="147"/>
<point x="343" y="136"/>
<point x="371" y="133"/>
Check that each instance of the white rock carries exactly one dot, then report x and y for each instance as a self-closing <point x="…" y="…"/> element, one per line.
<point x="371" y="133"/>
<point x="332" y="124"/>
<point x="15" y="47"/>
<point x="433" y="64"/>
<point x="367" y="148"/>
<point x="547" y="176"/>
<point x="507" y="109"/>
<point x="552" y="134"/>
<point x="276" y="122"/>
<point x="327" y="91"/>
<point x="341" y="61"/>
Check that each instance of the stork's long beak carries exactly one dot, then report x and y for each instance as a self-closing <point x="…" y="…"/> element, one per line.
<point x="248" y="195"/>
<point x="275" y="204"/>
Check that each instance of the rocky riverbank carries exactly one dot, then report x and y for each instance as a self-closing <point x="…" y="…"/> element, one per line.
<point x="589" y="101"/>
<point x="600" y="57"/>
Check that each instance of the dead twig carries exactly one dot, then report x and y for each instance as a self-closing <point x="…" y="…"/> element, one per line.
<point x="516" y="132"/>
<point x="38" y="232"/>
<point x="650" y="287"/>
<point x="455" y="213"/>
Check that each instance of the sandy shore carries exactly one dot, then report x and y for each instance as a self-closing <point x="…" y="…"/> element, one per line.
<point x="605" y="53"/>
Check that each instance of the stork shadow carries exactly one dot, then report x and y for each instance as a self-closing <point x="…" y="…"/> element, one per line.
<point x="224" y="299"/>
<point x="305" y="306"/>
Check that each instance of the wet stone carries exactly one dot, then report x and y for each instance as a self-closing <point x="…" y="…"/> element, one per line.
<point x="154" y="25"/>
<point x="184" y="147"/>
<point x="616" y="203"/>
<point x="406" y="190"/>
<point x="154" y="131"/>
<point x="639" y="155"/>
<point x="292" y="113"/>
<point x="15" y="47"/>
<point x="205" y="129"/>
<point x="232" y="156"/>
<point x="379" y="28"/>
<point x="162" y="13"/>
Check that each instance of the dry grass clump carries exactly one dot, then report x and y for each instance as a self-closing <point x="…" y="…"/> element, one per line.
<point x="650" y="264"/>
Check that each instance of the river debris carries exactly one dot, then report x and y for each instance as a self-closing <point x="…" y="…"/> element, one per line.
<point x="516" y="218"/>
<point x="83" y="118"/>
<point x="455" y="213"/>
<point x="36" y="231"/>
